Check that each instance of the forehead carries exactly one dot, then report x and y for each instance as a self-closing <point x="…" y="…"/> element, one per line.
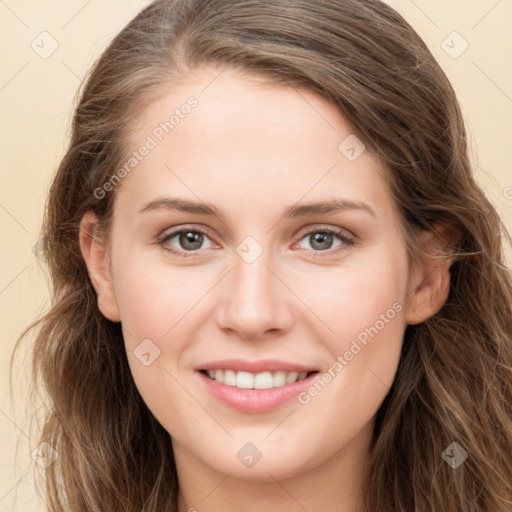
<point x="227" y="136"/>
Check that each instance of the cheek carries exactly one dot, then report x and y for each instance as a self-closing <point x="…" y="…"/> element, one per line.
<point x="363" y="307"/>
<point x="154" y="311"/>
<point x="158" y="304"/>
<point x="354" y="295"/>
<point x="153" y="296"/>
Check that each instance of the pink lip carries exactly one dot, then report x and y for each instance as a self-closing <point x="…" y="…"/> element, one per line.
<point x="255" y="400"/>
<point x="265" y="365"/>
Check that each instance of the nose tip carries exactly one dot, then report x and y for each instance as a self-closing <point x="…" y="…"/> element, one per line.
<point x="255" y="302"/>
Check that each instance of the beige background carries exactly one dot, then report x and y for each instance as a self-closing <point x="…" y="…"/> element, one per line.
<point x="36" y="95"/>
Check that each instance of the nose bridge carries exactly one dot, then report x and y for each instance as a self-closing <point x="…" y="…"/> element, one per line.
<point x="252" y="280"/>
<point x="254" y="301"/>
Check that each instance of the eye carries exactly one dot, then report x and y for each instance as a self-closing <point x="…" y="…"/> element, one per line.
<point x="190" y="240"/>
<point x="187" y="239"/>
<point x="321" y="240"/>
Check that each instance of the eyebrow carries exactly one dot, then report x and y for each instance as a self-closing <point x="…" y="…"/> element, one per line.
<point x="303" y="210"/>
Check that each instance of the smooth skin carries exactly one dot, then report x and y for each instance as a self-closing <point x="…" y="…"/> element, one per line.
<point x="252" y="149"/>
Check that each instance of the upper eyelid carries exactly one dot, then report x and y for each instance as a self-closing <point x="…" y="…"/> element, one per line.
<point x="303" y="232"/>
<point x="306" y="230"/>
<point x="177" y="230"/>
<point x="321" y="228"/>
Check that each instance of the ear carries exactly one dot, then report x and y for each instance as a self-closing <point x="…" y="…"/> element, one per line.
<point x="95" y="255"/>
<point x="430" y="284"/>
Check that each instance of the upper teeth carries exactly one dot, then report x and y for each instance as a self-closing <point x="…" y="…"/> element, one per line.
<point x="246" y="380"/>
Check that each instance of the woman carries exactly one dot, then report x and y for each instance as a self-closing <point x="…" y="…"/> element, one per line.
<point x="338" y="334"/>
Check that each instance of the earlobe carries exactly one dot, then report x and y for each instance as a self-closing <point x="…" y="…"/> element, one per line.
<point x="431" y="284"/>
<point x="94" y="253"/>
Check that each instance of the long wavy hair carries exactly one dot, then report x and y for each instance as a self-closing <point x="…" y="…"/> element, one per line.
<point x="454" y="380"/>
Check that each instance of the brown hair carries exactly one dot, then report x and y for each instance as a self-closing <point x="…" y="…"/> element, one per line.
<point x="454" y="381"/>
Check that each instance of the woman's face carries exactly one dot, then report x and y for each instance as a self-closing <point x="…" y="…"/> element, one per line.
<point x="293" y="268"/>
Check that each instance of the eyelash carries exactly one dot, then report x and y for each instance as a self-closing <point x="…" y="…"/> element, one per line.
<point x="161" y="241"/>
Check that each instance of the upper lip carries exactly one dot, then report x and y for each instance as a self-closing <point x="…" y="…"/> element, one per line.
<point x="265" y="365"/>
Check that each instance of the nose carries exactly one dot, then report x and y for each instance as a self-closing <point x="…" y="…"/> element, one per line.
<point x="256" y="302"/>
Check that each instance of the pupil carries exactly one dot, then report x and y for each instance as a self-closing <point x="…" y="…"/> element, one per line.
<point x="191" y="238"/>
<point x="323" y="239"/>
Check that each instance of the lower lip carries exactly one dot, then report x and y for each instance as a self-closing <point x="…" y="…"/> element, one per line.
<point x="255" y="400"/>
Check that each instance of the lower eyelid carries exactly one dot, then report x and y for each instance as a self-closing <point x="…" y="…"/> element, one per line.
<point x="345" y="240"/>
<point x="163" y="241"/>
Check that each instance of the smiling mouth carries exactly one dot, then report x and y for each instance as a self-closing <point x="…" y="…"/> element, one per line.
<point x="264" y="380"/>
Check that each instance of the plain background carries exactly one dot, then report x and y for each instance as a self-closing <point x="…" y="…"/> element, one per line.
<point x="37" y="92"/>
